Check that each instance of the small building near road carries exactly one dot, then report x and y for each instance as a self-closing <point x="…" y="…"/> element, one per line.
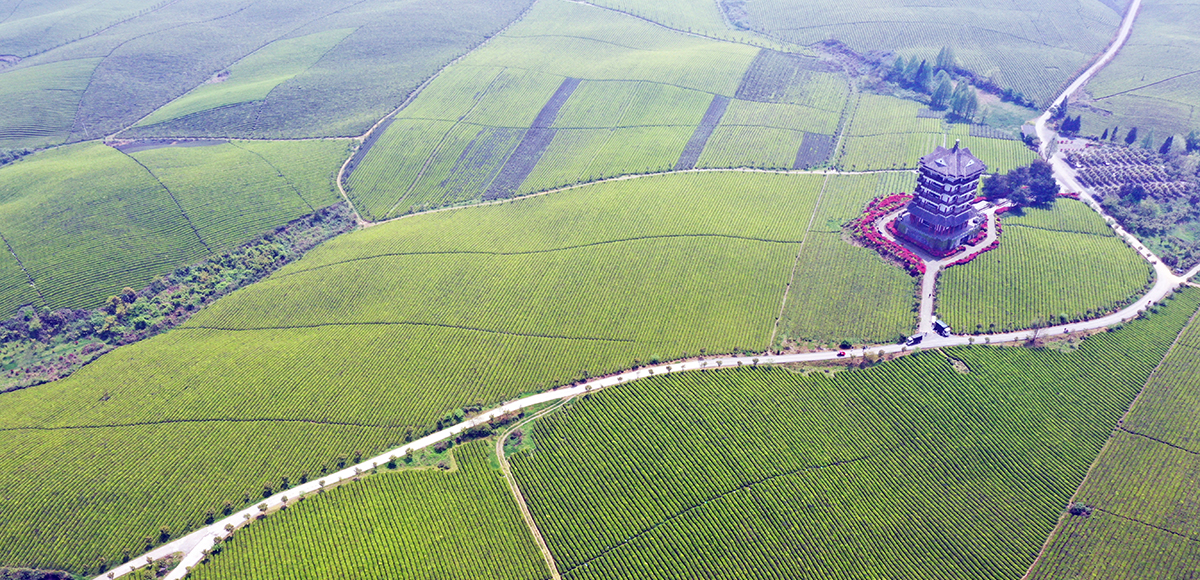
<point x="942" y="216"/>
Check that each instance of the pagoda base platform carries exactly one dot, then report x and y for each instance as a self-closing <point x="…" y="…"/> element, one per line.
<point x="939" y="245"/>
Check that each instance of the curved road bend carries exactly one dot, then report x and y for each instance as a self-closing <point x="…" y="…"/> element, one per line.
<point x="1044" y="133"/>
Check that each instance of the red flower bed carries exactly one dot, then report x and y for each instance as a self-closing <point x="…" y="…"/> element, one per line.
<point x="864" y="229"/>
<point x="992" y="246"/>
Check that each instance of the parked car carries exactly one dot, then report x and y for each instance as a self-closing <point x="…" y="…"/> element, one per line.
<point x="842" y="353"/>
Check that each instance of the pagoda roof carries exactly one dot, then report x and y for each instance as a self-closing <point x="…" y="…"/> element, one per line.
<point x="955" y="163"/>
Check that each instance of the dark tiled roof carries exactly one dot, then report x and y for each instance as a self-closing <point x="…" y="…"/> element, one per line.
<point x="955" y="163"/>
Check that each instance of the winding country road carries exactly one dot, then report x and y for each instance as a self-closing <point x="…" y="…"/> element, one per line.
<point x="1047" y="135"/>
<point x="196" y="544"/>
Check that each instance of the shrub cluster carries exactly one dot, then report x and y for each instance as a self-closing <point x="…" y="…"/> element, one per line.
<point x="48" y="345"/>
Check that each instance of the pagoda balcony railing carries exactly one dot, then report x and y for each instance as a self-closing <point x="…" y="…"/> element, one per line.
<point x="942" y="183"/>
<point x="935" y="207"/>
<point x="945" y="198"/>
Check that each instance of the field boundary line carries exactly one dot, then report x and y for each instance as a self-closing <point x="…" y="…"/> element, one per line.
<point x="1062" y="518"/>
<point x="795" y="264"/>
<point x="202" y="420"/>
<point x="438" y="148"/>
<point x="24" y="269"/>
<point x="535" y="252"/>
<point x="204" y="537"/>
<point x="182" y="211"/>
<point x="281" y="175"/>
<point x="1168" y="79"/>
<point x="743" y="486"/>
<point x="847" y="118"/>
<point x="342" y="175"/>
<point x="1157" y="440"/>
<point x="1110" y="233"/>
<point x="262" y="102"/>
<point x="1149" y="525"/>
<point x="404" y="323"/>
<point x="283" y="36"/>
<point x="687" y="32"/>
<point x="520" y="497"/>
<point x="633" y="95"/>
<point x="160" y="6"/>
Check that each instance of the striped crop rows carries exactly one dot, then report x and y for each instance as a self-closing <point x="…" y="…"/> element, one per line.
<point x="1138" y="516"/>
<point x="911" y="468"/>
<point x="1042" y="272"/>
<point x="92" y="220"/>
<point x="380" y="335"/>
<point x="408" y="524"/>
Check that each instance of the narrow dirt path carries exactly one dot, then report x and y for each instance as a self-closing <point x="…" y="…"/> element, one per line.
<point x="520" y="497"/>
<point x="795" y="264"/>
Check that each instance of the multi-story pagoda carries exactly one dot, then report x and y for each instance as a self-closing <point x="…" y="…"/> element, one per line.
<point x="942" y="216"/>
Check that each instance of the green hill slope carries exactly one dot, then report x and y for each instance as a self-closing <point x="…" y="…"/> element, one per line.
<point x="87" y="220"/>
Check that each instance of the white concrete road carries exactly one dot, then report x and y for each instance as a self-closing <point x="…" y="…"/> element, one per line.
<point x="1045" y="134"/>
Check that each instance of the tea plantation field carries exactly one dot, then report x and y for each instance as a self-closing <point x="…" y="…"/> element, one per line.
<point x="381" y="334"/>
<point x="1141" y="493"/>
<point x="1034" y="49"/>
<point x="242" y="67"/>
<point x="886" y="133"/>
<point x="411" y="523"/>
<point x="87" y="220"/>
<point x="34" y="27"/>
<point x="571" y="93"/>
<point x="384" y="332"/>
<point x="252" y="78"/>
<point x="1058" y="265"/>
<point x="1154" y="82"/>
<point x="951" y="464"/>
<point x="39" y="103"/>
<point x="576" y="93"/>
<point x="840" y="291"/>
